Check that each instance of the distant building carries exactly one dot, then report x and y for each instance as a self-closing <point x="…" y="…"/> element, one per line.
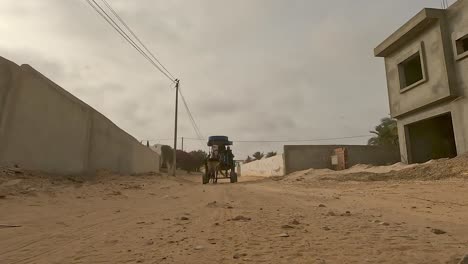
<point x="426" y="62"/>
<point x="157" y="148"/>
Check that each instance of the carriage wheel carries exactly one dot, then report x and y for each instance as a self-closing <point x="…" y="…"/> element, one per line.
<point x="205" y="178"/>
<point x="206" y="175"/>
<point x="233" y="176"/>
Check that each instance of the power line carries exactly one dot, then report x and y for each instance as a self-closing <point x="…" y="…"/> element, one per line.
<point x="192" y="120"/>
<point x="121" y="32"/>
<point x="200" y="136"/>
<point x="117" y="28"/>
<point x="130" y="40"/>
<point x="136" y="37"/>
<point x="280" y="141"/>
<point x="299" y="140"/>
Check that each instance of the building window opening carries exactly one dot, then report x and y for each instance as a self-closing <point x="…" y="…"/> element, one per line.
<point x="462" y="45"/>
<point x="411" y="71"/>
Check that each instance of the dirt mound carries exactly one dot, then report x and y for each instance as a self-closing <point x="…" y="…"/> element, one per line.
<point x="433" y="170"/>
<point x="16" y="181"/>
<point x="377" y="169"/>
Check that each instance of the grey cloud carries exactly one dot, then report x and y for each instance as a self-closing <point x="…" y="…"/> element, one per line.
<point x="251" y="69"/>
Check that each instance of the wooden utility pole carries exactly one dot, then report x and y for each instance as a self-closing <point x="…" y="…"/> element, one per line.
<point x="175" y="128"/>
<point x="182" y="143"/>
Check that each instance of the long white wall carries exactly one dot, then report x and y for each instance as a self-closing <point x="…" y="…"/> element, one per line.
<point x="43" y="127"/>
<point x="273" y="166"/>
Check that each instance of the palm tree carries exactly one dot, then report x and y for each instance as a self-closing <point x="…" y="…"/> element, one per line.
<point x="258" y="155"/>
<point x="386" y="133"/>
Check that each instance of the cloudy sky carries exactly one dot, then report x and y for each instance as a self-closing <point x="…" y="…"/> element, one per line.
<point x="249" y="69"/>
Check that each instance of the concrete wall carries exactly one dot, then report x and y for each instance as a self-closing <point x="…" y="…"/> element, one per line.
<point x="297" y="158"/>
<point x="273" y="166"/>
<point x="435" y="86"/>
<point x="447" y="80"/>
<point x="43" y="127"/>
<point x="457" y="17"/>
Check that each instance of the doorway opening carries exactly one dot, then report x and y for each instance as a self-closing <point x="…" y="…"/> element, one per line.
<point x="431" y="139"/>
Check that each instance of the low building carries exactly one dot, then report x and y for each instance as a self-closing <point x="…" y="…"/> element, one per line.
<point x="426" y="62"/>
<point x="303" y="157"/>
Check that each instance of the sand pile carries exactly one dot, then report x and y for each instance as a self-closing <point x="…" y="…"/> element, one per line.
<point x="17" y="181"/>
<point x="377" y="169"/>
<point x="433" y="170"/>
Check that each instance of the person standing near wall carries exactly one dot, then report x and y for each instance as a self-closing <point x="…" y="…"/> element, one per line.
<point x="230" y="157"/>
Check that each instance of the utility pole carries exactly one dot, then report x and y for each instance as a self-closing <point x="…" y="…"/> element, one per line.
<point x="182" y="143"/>
<point x="175" y="128"/>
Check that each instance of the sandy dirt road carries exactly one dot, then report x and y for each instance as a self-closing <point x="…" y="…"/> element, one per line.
<point x="161" y="219"/>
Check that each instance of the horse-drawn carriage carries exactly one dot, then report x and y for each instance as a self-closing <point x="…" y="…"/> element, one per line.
<point x="220" y="162"/>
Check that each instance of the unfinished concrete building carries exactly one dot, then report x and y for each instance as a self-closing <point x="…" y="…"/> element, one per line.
<point x="426" y="62"/>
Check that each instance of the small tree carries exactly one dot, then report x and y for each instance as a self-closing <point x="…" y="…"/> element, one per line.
<point x="185" y="161"/>
<point x="270" y="154"/>
<point x="258" y="155"/>
<point x="190" y="162"/>
<point x="199" y="157"/>
<point x="167" y="156"/>
<point x="249" y="159"/>
<point x="386" y="134"/>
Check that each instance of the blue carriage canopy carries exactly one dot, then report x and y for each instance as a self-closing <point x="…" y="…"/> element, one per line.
<point x="219" y="141"/>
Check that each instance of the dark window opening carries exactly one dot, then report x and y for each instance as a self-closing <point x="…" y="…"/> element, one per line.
<point x="431" y="139"/>
<point x="411" y="71"/>
<point x="462" y="45"/>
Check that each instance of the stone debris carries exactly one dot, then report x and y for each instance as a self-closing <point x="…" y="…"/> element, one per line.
<point x="199" y="247"/>
<point x="322" y="205"/>
<point x="241" y="218"/>
<point x="385" y="224"/>
<point x="184" y="218"/>
<point x="8" y="226"/>
<point x="438" y="231"/>
<point x="15" y="170"/>
<point x="287" y="227"/>
<point x="331" y="213"/>
<point x="212" y="204"/>
<point x="283" y="235"/>
<point x="326" y="228"/>
<point x="12" y="182"/>
<point x="239" y="255"/>
<point x="295" y="222"/>
<point x="464" y="260"/>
